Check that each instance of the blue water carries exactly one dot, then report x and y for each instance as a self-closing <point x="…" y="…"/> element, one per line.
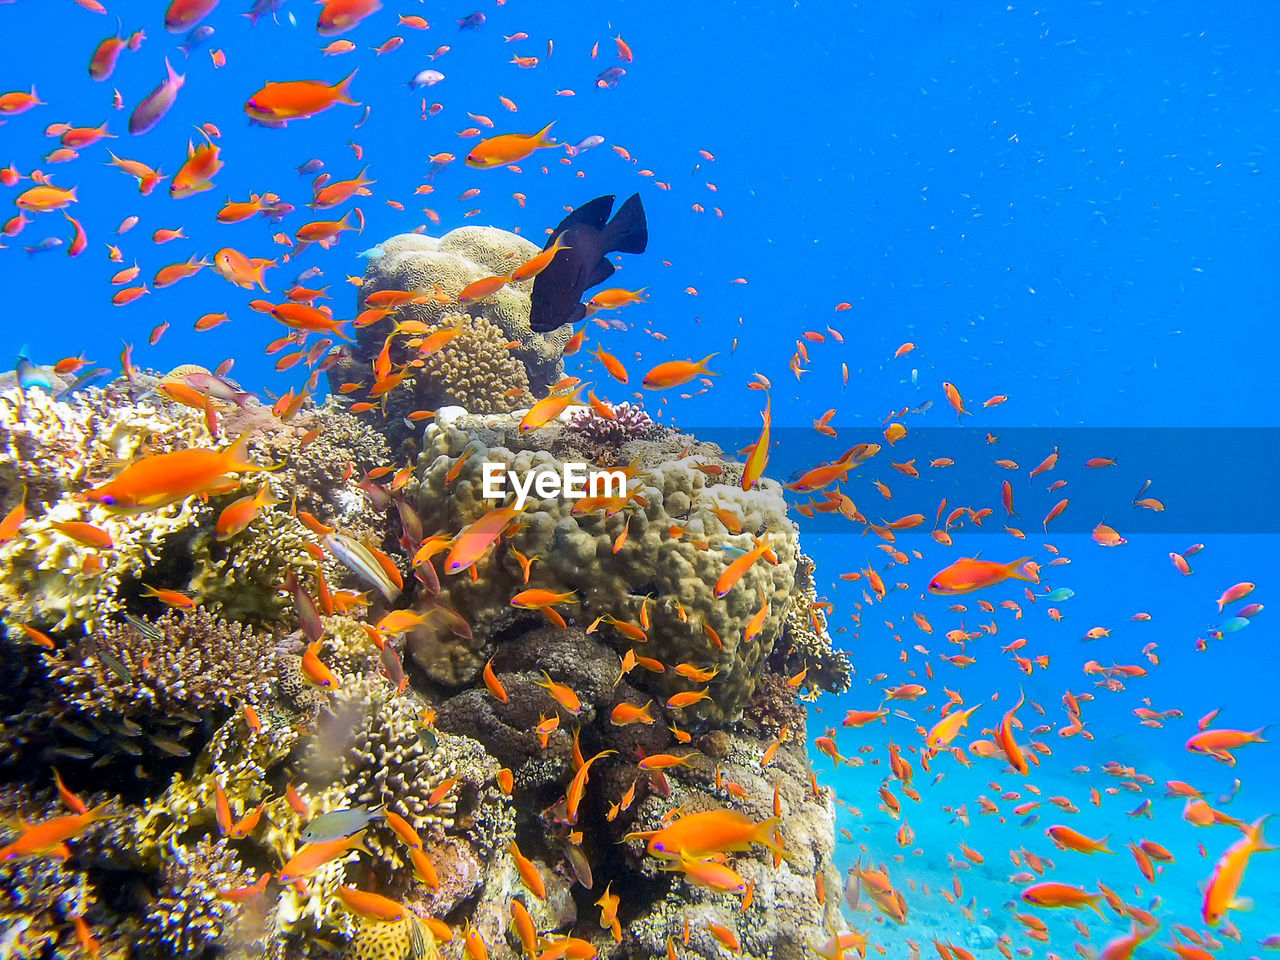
<point x="1072" y="205"/>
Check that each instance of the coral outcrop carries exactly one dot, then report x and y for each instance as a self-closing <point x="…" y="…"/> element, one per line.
<point x="478" y="368"/>
<point x="229" y="703"/>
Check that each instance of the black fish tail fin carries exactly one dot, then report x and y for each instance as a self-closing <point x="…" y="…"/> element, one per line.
<point x="628" y="231"/>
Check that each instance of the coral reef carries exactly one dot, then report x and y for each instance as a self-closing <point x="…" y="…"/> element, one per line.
<point x="217" y="738"/>
<point x="602" y="438"/>
<point x="475" y="370"/>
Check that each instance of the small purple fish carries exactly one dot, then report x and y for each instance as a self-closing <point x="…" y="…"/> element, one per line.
<point x="592" y="141"/>
<point x="311" y="166"/>
<point x="276" y="212"/>
<point x="392" y="666"/>
<point x="472" y="22"/>
<point x="159" y="102"/>
<point x="610" y="77"/>
<point x="196" y="37"/>
<point x="305" y="609"/>
<point x="48" y="243"/>
<point x="307" y="274"/>
<point x="263" y="8"/>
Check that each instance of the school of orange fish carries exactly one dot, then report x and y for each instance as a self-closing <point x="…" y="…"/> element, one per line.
<point x="696" y="844"/>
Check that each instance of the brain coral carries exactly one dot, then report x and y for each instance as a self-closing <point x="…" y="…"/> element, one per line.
<point x="675" y="549"/>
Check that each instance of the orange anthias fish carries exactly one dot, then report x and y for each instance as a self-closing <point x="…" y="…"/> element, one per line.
<point x="967" y="575"/>
<point x="1228" y="872"/>
<point x="509" y="148"/>
<point x="245" y="272"/>
<point x="758" y="453"/>
<point x="278" y="103"/>
<point x="196" y="174"/>
<point x="47" y="838"/>
<point x="733" y="573"/>
<point x="475" y="540"/>
<point x="315" y="855"/>
<point x="165" y="478"/>
<point x="675" y="373"/>
<point x="548" y="408"/>
<point x="708" y="832"/>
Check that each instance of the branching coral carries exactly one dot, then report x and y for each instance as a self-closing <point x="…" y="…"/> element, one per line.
<point x="187" y="917"/>
<point x="181" y="664"/>
<point x="806" y="644"/>
<point x="474" y="370"/>
<point x="243" y="578"/>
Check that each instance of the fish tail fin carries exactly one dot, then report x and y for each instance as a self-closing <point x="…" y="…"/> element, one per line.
<point x="236" y="458"/>
<point x="1017" y="573"/>
<point x="1260" y="844"/>
<point x="542" y="138"/>
<point x="702" y="365"/>
<point x="628" y="231"/>
<point x="342" y="89"/>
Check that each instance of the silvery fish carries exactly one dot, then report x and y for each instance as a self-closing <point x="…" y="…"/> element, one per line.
<point x="339" y="823"/>
<point x="593" y="141"/>
<point x="214" y="386"/>
<point x="356" y="557"/>
<point x="373" y="253"/>
<point x="1061" y="593"/>
<point x="424" y="78"/>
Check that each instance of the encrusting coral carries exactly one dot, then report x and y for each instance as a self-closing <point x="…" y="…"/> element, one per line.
<point x="676" y="546"/>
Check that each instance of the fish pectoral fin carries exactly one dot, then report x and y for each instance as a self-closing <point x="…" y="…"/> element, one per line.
<point x="628" y="231"/>
<point x="599" y="274"/>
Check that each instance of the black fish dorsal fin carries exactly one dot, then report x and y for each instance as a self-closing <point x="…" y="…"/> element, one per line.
<point x="593" y="213"/>
<point x="628" y="231"/>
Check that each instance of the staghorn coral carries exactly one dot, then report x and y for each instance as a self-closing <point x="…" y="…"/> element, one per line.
<point x="806" y="644"/>
<point x="186" y="663"/>
<point x="148" y="694"/>
<point x="576" y="552"/>
<point x="187" y="917"/>
<point x="52" y="447"/>
<point x="239" y="760"/>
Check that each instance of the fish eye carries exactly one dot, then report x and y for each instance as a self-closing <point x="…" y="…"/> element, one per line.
<point x="108" y="500"/>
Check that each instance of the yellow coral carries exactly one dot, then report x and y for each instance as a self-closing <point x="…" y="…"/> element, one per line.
<point x="474" y="370"/>
<point x="380" y="940"/>
<point x="53" y="449"/>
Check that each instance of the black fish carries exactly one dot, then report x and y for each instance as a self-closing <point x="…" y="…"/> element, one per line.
<point x="590" y="235"/>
